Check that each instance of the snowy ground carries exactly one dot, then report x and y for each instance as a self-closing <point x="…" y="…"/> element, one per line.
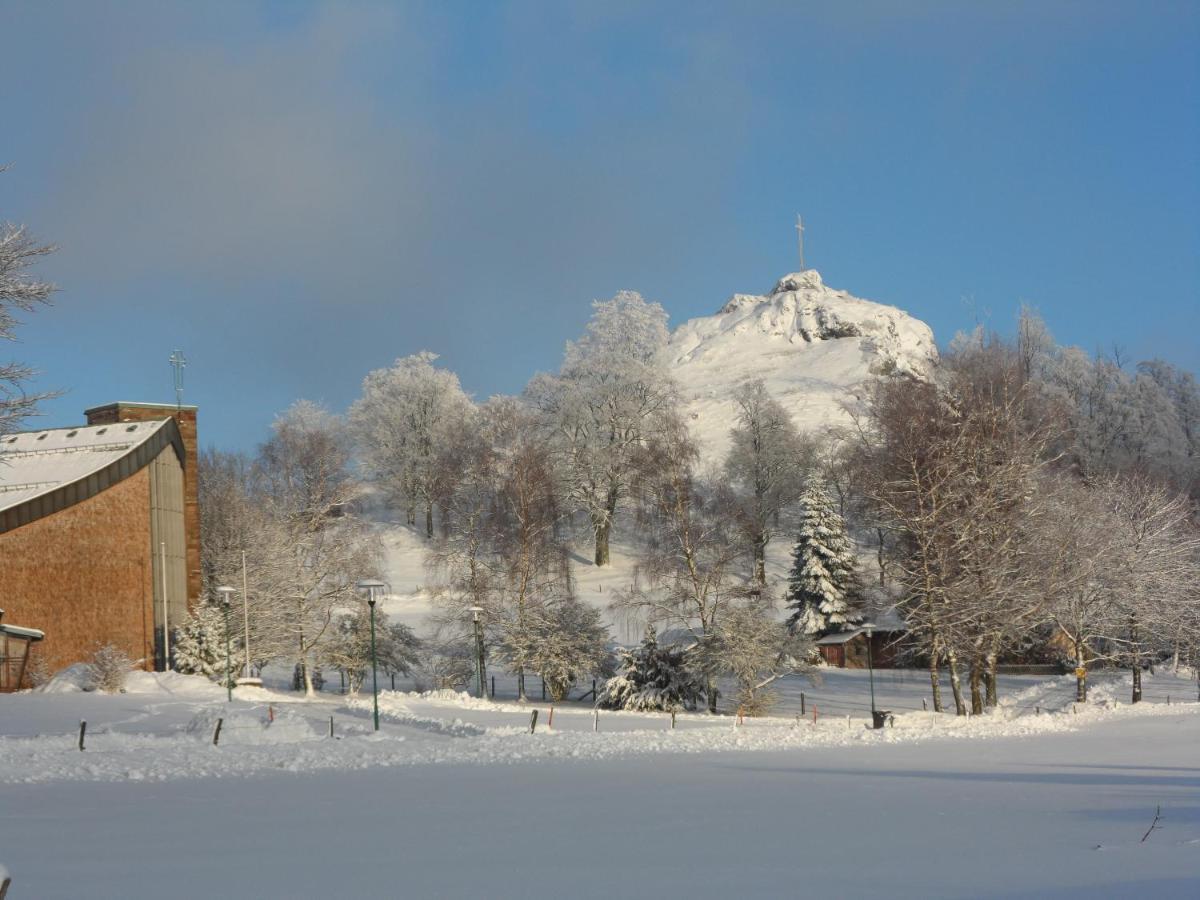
<point x="453" y="797"/>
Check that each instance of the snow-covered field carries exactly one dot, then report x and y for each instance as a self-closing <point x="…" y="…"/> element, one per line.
<point x="454" y="797"/>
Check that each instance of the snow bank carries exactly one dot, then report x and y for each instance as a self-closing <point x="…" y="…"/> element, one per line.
<point x="70" y="680"/>
<point x="250" y="729"/>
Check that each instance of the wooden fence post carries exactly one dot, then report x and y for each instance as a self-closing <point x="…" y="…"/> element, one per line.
<point x="814" y="714"/>
<point x="672" y="720"/>
<point x="596" y="719"/>
<point x="550" y="718"/>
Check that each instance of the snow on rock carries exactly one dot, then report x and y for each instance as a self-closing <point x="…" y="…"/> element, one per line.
<point x="812" y="346"/>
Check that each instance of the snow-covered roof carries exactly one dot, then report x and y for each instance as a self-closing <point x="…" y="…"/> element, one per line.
<point x="16" y="631"/>
<point x="844" y="637"/>
<point x="34" y="463"/>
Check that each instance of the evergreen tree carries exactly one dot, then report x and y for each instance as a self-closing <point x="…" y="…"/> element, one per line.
<point x="200" y="648"/>
<point x="823" y="577"/>
<point x="652" y="677"/>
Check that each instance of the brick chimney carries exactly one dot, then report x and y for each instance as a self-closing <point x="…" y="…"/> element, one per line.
<point x="185" y="418"/>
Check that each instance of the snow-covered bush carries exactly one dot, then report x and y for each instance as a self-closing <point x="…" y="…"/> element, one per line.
<point x="37" y="670"/>
<point x="652" y="678"/>
<point x="108" y="668"/>
<point x="444" y="665"/>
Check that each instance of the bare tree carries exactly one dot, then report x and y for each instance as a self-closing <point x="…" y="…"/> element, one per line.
<point x="314" y="546"/>
<point x="505" y="550"/>
<point x="766" y="465"/>
<point x="20" y="291"/>
<point x="689" y="558"/>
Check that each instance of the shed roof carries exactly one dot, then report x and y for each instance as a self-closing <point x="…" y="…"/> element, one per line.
<point x="844" y="637"/>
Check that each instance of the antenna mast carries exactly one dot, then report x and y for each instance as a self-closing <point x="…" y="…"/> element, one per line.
<point x="178" y="362"/>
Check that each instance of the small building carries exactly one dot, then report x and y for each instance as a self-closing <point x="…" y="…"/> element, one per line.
<point x="16" y="644"/>
<point x="99" y="530"/>
<point x="848" y="649"/>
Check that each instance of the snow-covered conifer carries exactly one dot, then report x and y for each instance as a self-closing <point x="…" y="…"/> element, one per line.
<point x="822" y="581"/>
<point x="200" y="647"/>
<point x="652" y="677"/>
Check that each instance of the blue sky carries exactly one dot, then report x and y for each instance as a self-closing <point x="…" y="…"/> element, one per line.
<point x="296" y="193"/>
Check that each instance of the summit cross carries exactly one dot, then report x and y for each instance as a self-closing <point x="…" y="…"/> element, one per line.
<point x="800" y="239"/>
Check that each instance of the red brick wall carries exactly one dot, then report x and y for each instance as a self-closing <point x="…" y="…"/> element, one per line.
<point x="186" y="419"/>
<point x="84" y="576"/>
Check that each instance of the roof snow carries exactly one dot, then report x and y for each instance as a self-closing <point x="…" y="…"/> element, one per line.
<point x="810" y="344"/>
<point x="37" y="462"/>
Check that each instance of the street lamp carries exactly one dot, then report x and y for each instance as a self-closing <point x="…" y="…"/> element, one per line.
<point x="225" y="591"/>
<point x="371" y="586"/>
<point x="871" y="676"/>
<point x="479" y="671"/>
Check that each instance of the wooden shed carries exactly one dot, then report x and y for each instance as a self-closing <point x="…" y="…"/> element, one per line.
<point x="16" y="645"/>
<point x="848" y="649"/>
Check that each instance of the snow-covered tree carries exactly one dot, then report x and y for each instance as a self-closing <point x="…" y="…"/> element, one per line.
<point x="315" y="548"/>
<point x="599" y="409"/>
<point x="766" y="465"/>
<point x="19" y="291"/>
<point x="396" y="647"/>
<point x="690" y="561"/>
<point x="564" y="642"/>
<point x="652" y="677"/>
<point x="753" y="647"/>
<point x="200" y="646"/>
<point x="505" y="549"/>
<point x="823" y="581"/>
<point x="401" y="423"/>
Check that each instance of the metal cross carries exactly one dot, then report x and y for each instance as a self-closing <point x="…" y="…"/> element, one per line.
<point x="178" y="363"/>
<point x="800" y="239"/>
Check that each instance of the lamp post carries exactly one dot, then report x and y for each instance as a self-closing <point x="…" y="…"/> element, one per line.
<point x="371" y="586"/>
<point x="225" y="591"/>
<point x="871" y="676"/>
<point x="479" y="670"/>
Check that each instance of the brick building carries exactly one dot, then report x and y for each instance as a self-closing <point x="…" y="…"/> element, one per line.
<point x="99" y="530"/>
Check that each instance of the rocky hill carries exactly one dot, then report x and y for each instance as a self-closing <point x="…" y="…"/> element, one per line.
<point x="812" y="346"/>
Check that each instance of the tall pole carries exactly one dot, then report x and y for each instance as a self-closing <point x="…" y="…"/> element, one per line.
<point x="871" y="674"/>
<point x="479" y="671"/>
<point x="162" y="564"/>
<point x="374" y="671"/>
<point x="246" y="614"/>
<point x="228" y="653"/>
<point x="225" y="591"/>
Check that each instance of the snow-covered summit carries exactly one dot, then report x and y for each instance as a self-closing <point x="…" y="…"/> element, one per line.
<point x="811" y="345"/>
